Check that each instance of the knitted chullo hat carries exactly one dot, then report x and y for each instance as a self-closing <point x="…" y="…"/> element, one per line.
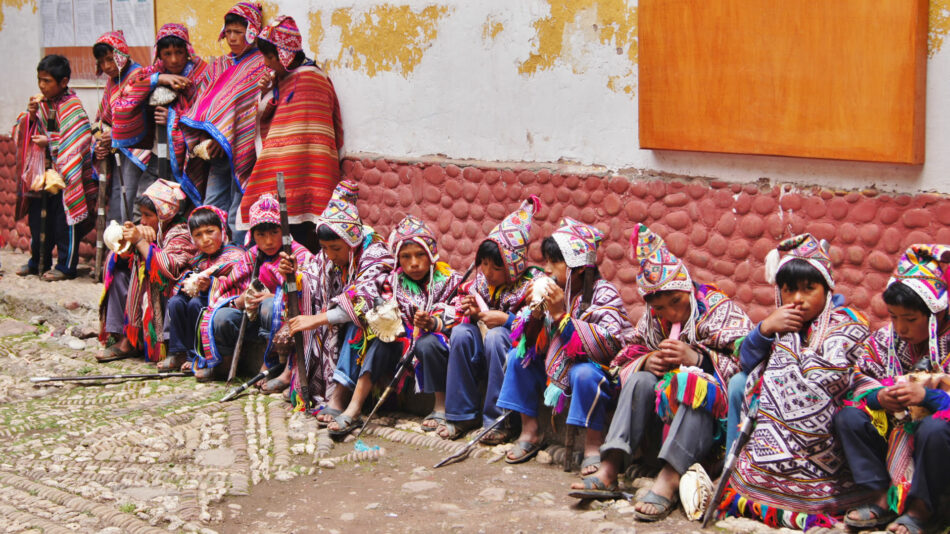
<point x="172" y="29"/>
<point x="923" y="269"/>
<point x="660" y="270"/>
<point x="266" y="209"/>
<point x="578" y="242"/>
<point x="802" y="247"/>
<point x="512" y="235"/>
<point x="341" y="214"/>
<point x="253" y="13"/>
<point x="412" y="230"/>
<point x="283" y="34"/>
<point x="166" y="196"/>
<point x="120" y="49"/>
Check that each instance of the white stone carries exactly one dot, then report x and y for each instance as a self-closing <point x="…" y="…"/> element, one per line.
<point x="419" y="485"/>
<point x="492" y="494"/>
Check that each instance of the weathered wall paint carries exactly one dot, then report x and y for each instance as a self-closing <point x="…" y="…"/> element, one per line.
<point x="204" y="20"/>
<point x="501" y="81"/>
<point x="939" y="25"/>
<point x="14" y="4"/>
<point x="573" y="26"/>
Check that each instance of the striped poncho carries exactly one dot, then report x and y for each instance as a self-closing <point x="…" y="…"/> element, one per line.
<point x="69" y="147"/>
<point x="133" y="124"/>
<point x="139" y="157"/>
<point x="879" y="368"/>
<point x="793" y="472"/>
<point x="153" y="281"/>
<point x="227" y="112"/>
<point x="301" y="133"/>
<point x="594" y="334"/>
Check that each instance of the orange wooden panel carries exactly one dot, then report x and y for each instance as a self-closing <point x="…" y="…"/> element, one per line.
<point x="83" y="64"/>
<point x="841" y="79"/>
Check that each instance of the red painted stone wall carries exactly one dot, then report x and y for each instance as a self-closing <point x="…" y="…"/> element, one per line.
<point x="723" y="231"/>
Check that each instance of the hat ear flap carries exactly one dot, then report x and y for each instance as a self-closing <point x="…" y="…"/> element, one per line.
<point x="772" y="260"/>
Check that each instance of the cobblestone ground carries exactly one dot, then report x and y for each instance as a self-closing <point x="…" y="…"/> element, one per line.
<point x="164" y="455"/>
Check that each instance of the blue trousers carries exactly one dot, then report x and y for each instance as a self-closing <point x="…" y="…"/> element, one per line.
<point x="472" y="360"/>
<point x="736" y="398"/>
<point x="227" y="326"/>
<point x="223" y="192"/>
<point x="183" y="315"/>
<point x="592" y="392"/>
<point x="434" y="356"/>
<point x="380" y="360"/>
<point x="866" y="452"/>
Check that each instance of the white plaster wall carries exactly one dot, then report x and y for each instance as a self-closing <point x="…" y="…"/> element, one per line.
<point x="466" y="99"/>
<point x="19" y="54"/>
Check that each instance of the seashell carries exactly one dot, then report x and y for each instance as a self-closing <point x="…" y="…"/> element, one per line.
<point x="162" y="96"/>
<point x="112" y="237"/>
<point x="201" y="149"/>
<point x="696" y="490"/>
<point x="54" y="182"/>
<point x="540" y="288"/>
<point x="386" y="321"/>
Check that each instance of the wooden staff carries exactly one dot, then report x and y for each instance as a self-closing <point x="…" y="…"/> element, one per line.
<point x="101" y="203"/>
<point x="93" y="378"/>
<point x="44" y="195"/>
<point x="290" y="289"/>
<point x="241" y="331"/>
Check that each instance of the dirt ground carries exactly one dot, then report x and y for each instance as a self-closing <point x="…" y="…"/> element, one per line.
<point x="152" y="456"/>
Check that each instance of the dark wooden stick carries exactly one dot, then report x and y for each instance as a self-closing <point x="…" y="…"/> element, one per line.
<point x="290" y="288"/>
<point x="240" y="339"/>
<point x="93" y="378"/>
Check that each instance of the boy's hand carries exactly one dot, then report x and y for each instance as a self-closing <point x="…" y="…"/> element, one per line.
<point x="908" y="393"/>
<point x="287" y="266"/>
<point x="104" y="146"/>
<point x="675" y="352"/>
<point x="266" y="81"/>
<point x="253" y="300"/>
<point x="175" y="81"/>
<point x="493" y="318"/>
<point x="783" y="320"/>
<point x="554" y="301"/>
<point x="469" y="306"/>
<point x="203" y="282"/>
<point x="161" y="115"/>
<point x="888" y="401"/>
<point x="34" y="105"/>
<point x="303" y="323"/>
<point x="656" y="364"/>
<point x="423" y="321"/>
<point x="40" y="140"/>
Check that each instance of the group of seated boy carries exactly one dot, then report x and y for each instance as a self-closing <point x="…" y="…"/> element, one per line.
<point x="849" y="425"/>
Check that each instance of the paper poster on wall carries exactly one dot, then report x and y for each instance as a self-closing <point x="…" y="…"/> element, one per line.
<point x="57" y="22"/>
<point x="92" y="19"/>
<point x="137" y="19"/>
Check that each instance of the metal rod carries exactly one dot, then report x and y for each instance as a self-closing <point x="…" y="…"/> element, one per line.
<point x="93" y="378"/>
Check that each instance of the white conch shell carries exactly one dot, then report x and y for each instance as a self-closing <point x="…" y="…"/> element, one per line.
<point x="162" y="96"/>
<point x="201" y="149"/>
<point x="386" y="321"/>
<point x="696" y="490"/>
<point x="539" y="289"/>
<point x="112" y="237"/>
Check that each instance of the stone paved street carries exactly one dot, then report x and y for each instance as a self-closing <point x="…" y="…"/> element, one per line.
<point x="164" y="455"/>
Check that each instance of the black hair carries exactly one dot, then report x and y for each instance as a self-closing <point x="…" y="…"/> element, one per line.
<point x="203" y="217"/>
<point x="99" y="50"/>
<point x="551" y="250"/>
<point x="324" y="233"/>
<point x="797" y="271"/>
<point x="489" y="250"/>
<point x="265" y="227"/>
<point x="56" y="65"/>
<point x="899" y="294"/>
<point x="170" y="41"/>
<point x="145" y="202"/>
<point x="269" y="49"/>
<point x="234" y="18"/>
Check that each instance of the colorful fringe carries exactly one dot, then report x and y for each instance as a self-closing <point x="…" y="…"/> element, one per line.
<point x="734" y="504"/>
<point x="695" y="392"/>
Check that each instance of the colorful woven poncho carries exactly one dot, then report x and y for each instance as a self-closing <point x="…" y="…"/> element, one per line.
<point x="70" y="149"/>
